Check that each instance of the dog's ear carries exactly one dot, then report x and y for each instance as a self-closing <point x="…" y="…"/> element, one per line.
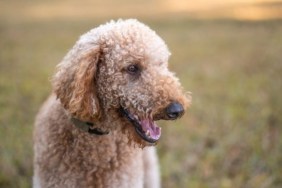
<point x="74" y="84"/>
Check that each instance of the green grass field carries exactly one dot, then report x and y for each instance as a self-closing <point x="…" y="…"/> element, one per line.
<point x="231" y="135"/>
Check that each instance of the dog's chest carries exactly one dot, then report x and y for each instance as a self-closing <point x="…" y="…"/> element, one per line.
<point x="113" y="164"/>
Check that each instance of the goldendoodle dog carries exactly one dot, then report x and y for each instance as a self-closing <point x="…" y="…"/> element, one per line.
<point x="108" y="92"/>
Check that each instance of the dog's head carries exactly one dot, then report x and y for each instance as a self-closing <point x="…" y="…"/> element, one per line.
<point x="119" y="72"/>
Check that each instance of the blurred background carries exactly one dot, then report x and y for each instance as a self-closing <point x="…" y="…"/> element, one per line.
<point x="228" y="53"/>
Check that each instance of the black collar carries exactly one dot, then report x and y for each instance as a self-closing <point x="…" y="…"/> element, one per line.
<point x="88" y="127"/>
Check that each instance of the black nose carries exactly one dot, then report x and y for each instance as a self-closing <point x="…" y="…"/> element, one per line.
<point x="174" y="111"/>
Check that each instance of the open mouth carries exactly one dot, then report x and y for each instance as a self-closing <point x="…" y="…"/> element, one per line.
<point x="146" y="128"/>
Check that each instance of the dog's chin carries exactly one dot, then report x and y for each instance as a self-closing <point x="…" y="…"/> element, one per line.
<point x="146" y="130"/>
<point x="134" y="139"/>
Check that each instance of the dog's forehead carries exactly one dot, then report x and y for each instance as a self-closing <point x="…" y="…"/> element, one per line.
<point x="129" y="38"/>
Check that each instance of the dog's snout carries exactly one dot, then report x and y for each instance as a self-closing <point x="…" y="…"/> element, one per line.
<point x="174" y="110"/>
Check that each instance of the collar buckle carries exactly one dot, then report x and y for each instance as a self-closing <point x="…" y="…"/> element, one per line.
<point x="88" y="127"/>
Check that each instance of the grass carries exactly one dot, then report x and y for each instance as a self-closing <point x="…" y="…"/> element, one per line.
<point x="229" y="138"/>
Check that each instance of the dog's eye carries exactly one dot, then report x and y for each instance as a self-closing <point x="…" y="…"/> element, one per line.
<point x="133" y="69"/>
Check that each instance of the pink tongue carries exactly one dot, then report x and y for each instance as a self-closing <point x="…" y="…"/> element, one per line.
<point x="152" y="128"/>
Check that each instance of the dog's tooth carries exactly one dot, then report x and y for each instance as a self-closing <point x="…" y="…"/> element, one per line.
<point x="136" y="117"/>
<point x="148" y="133"/>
